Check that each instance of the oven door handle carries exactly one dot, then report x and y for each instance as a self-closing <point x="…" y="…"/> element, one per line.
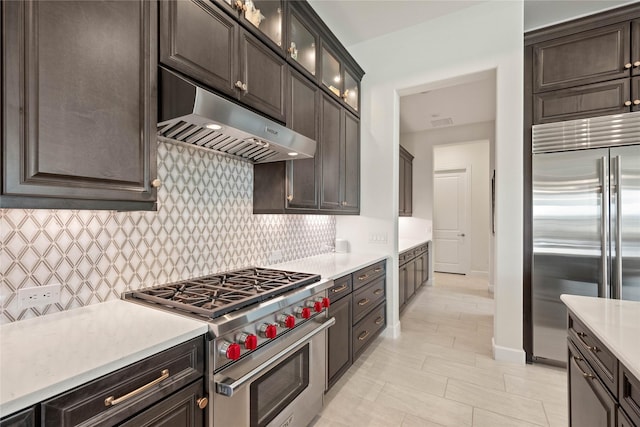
<point x="228" y="386"/>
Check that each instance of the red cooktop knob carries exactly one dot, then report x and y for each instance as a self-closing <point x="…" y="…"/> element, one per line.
<point x="303" y="312"/>
<point x="233" y="351"/>
<point x="251" y="342"/>
<point x="317" y="306"/>
<point x="326" y="302"/>
<point x="290" y="322"/>
<point x="268" y="331"/>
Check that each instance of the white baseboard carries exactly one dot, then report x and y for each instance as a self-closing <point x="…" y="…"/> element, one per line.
<point x="429" y="282"/>
<point x="481" y="274"/>
<point x="508" y="354"/>
<point x="392" y="331"/>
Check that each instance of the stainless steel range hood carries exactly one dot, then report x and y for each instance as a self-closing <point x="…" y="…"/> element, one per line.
<point x="191" y="114"/>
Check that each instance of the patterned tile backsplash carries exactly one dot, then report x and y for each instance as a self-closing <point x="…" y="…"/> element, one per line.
<point x="204" y="224"/>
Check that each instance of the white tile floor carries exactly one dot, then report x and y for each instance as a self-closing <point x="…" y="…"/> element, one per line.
<point x="440" y="371"/>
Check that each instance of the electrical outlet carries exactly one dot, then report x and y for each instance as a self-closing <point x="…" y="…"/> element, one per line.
<point x="380" y="238"/>
<point x="39" y="295"/>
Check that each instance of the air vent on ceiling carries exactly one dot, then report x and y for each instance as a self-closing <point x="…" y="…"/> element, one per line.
<point x="442" y="122"/>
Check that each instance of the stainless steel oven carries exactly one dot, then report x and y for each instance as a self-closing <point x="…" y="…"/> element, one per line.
<point x="281" y="385"/>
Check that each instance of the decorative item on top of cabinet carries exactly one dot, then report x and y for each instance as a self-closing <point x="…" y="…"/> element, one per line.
<point x="230" y="60"/>
<point x="79" y="132"/>
<point x="405" y="179"/>
<point x="338" y="79"/>
<point x="340" y="159"/>
<point x="302" y="39"/>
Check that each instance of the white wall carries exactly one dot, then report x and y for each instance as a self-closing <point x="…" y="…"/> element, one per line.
<point x="476" y="156"/>
<point x="484" y="37"/>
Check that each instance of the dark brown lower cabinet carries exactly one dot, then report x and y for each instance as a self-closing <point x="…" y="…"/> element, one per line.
<point x="623" y="420"/>
<point x="179" y="410"/>
<point x="413" y="272"/>
<point x="590" y="405"/>
<point x="358" y="305"/>
<point x="339" y="341"/>
<point x="635" y="93"/>
<point x="26" y="418"/>
<point x="402" y="279"/>
<point x="175" y="398"/>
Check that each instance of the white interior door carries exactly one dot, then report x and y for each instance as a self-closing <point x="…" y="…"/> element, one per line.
<point x="450" y="230"/>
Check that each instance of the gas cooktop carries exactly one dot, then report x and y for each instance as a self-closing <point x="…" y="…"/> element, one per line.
<point x="216" y="295"/>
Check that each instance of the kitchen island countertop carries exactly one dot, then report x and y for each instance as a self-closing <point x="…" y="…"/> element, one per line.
<point x="48" y="355"/>
<point x="615" y="322"/>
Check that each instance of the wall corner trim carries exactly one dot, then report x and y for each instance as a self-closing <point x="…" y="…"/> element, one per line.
<point x="508" y="354"/>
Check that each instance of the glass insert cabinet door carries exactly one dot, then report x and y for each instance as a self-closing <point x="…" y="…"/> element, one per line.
<point x="302" y="45"/>
<point x="331" y="73"/>
<point x="265" y="15"/>
<point x="350" y="93"/>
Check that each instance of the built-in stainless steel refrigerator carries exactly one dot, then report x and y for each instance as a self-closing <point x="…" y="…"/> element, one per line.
<point x="586" y="220"/>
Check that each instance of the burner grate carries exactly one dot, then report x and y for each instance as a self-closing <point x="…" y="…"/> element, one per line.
<point x="216" y="295"/>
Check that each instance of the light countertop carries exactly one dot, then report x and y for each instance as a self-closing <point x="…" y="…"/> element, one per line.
<point x="406" y="244"/>
<point x="45" y="356"/>
<point x="331" y="265"/>
<point x="615" y="322"/>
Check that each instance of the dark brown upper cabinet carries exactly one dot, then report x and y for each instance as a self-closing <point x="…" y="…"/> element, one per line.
<point x="635" y="46"/>
<point x="405" y="179"/>
<point x="291" y="187"/>
<point x="79" y="105"/>
<point x="587" y="57"/>
<point x="226" y="57"/>
<point x="340" y="158"/>
<point x="338" y="79"/>
<point x="302" y="41"/>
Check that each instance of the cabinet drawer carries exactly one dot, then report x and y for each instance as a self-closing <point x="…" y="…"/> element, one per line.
<point x="86" y="405"/>
<point x="367" y="274"/>
<point x="340" y="289"/>
<point x="599" y="357"/>
<point x="369" y="328"/>
<point x="582" y="101"/>
<point x="24" y="418"/>
<point x="367" y="297"/>
<point x="629" y="395"/>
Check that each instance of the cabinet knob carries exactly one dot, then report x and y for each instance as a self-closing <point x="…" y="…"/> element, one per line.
<point x="242" y="86"/>
<point x="636" y="64"/>
<point x="202" y="402"/>
<point x="344" y="203"/>
<point x="636" y="102"/>
<point x="628" y="65"/>
<point x="290" y="197"/>
<point x="156" y="183"/>
<point x="627" y="103"/>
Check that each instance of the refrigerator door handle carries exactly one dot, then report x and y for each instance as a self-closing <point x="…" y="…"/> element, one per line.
<point x="603" y="286"/>
<point x="617" y="290"/>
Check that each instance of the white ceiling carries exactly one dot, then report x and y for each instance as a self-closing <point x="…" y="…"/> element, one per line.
<point x="464" y="101"/>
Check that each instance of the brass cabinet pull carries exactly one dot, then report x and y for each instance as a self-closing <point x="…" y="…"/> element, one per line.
<point x="584" y="374"/>
<point x="340" y="289"/>
<point x="581" y="336"/>
<point x="363" y="302"/>
<point x="379" y="320"/>
<point x="111" y="400"/>
<point x="202" y="402"/>
<point x="290" y="197"/>
<point x="156" y="183"/>
<point x="240" y="85"/>
<point x="377" y="292"/>
<point x="636" y="101"/>
<point x="627" y="103"/>
<point x="627" y="65"/>
<point x="377" y="270"/>
<point x="344" y="203"/>
<point x="363" y="336"/>
<point x="636" y="64"/>
<point x="363" y="277"/>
